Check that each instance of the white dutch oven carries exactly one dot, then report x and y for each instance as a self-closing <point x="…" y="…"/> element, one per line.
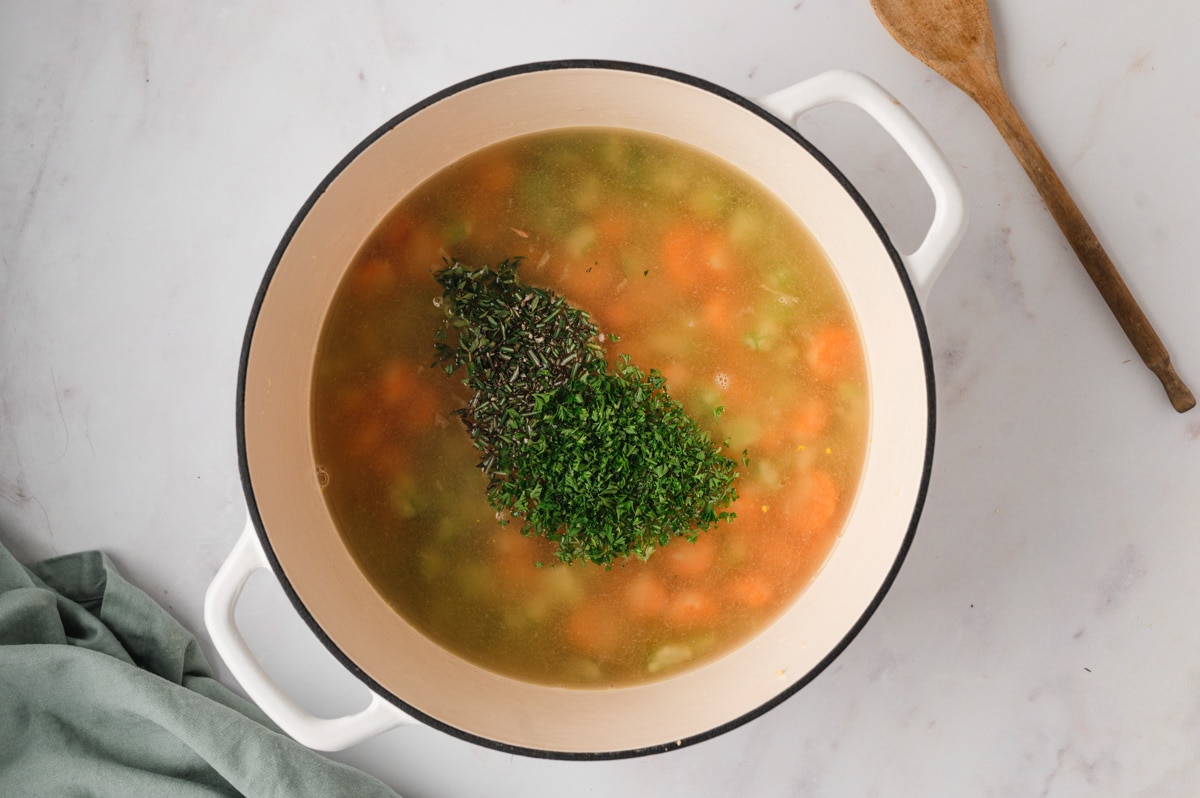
<point x="292" y="534"/>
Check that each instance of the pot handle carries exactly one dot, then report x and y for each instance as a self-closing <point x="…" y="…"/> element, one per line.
<point x="949" y="213"/>
<point x="322" y="734"/>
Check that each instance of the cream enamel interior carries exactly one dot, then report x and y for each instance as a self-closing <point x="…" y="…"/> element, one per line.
<point x="323" y="574"/>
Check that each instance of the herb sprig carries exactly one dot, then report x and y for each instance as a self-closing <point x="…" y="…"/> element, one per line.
<point x="602" y="462"/>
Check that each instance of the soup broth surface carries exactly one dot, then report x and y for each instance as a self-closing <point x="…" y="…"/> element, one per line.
<point x="701" y="274"/>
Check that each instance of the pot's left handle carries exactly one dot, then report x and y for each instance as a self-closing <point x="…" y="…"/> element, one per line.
<point x="949" y="212"/>
<point x="322" y="734"/>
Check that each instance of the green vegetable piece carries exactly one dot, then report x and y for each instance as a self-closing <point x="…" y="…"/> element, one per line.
<point x="601" y="461"/>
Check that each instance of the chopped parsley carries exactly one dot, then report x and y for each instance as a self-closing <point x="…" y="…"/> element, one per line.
<point x="601" y="461"/>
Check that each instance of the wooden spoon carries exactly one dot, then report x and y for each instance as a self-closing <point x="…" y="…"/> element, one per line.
<point x="954" y="37"/>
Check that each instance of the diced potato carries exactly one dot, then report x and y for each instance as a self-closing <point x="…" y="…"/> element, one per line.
<point x="585" y="670"/>
<point x="745" y="226"/>
<point x="588" y="192"/>
<point x="671" y="181"/>
<point x="564" y="584"/>
<point x="669" y="656"/>
<point x="432" y="562"/>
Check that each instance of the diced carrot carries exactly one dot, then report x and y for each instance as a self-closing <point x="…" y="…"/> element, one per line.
<point x="690" y="251"/>
<point x="832" y="352"/>
<point x="423" y="249"/>
<point x="750" y="590"/>
<point x="401" y="387"/>
<point x="372" y="276"/>
<point x="515" y="558"/>
<point x="397" y="382"/>
<point x="612" y="228"/>
<point x="810" y="418"/>
<point x="589" y="283"/>
<point x="677" y="375"/>
<point x="767" y="533"/>
<point x="615" y="315"/>
<point x="690" y="560"/>
<point x="496" y="175"/>
<point x="690" y="609"/>
<point x="393" y="233"/>
<point x="717" y="316"/>
<point x="818" y="500"/>
<point x="593" y="629"/>
<point x="367" y="435"/>
<point x="646" y="596"/>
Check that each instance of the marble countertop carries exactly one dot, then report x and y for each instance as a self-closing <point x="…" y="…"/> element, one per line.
<point x="1041" y="637"/>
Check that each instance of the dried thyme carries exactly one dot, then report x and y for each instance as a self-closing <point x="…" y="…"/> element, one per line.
<point x="601" y="461"/>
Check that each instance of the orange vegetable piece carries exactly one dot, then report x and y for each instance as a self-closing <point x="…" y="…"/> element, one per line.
<point x="810" y="418"/>
<point x="516" y="557"/>
<point x="612" y="227"/>
<point x="423" y="249"/>
<point x="692" y="608"/>
<point x="750" y="590"/>
<point x="496" y="175"/>
<point x="367" y="435"/>
<point x="690" y="560"/>
<point x="818" y="501"/>
<point x="690" y="251"/>
<point x="717" y="315"/>
<point x="833" y="352"/>
<point x="372" y="276"/>
<point x="594" y="630"/>
<point x="392" y="234"/>
<point x="646" y="596"/>
<point x="589" y="283"/>
<point x="401" y="387"/>
<point x="397" y="382"/>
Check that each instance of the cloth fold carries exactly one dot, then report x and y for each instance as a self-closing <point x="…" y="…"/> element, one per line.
<point x="103" y="693"/>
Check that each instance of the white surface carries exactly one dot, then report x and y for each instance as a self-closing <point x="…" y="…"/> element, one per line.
<point x="1040" y="638"/>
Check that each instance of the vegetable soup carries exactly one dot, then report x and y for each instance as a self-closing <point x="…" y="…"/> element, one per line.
<point x="685" y="267"/>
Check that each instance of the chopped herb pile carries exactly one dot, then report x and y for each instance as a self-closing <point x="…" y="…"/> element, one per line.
<point x="602" y="462"/>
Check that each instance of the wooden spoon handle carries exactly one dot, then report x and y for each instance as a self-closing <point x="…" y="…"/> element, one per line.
<point x="1087" y="247"/>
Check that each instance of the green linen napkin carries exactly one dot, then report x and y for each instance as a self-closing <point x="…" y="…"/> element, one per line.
<point x="102" y="693"/>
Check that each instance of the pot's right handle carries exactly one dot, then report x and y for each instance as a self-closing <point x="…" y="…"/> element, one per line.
<point x="322" y="734"/>
<point x="949" y="213"/>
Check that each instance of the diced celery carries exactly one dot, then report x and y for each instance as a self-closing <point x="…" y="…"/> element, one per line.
<point x="580" y="240"/>
<point x="742" y="430"/>
<point x="456" y="232"/>
<point x="405" y="499"/>
<point x="475" y="579"/>
<point x="745" y="226"/>
<point x="432" y="562"/>
<point x="707" y="200"/>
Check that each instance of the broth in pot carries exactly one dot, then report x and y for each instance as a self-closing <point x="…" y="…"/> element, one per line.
<point x="685" y="266"/>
